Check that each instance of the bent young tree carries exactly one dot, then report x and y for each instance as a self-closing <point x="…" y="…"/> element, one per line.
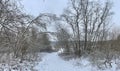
<point x="15" y="27"/>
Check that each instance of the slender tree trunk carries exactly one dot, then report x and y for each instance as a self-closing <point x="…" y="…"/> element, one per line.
<point x="85" y="42"/>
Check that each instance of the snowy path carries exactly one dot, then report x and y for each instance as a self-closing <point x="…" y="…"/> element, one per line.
<point x="52" y="62"/>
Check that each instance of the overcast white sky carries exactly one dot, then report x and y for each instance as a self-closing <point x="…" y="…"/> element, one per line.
<point x="41" y="6"/>
<point x="35" y="7"/>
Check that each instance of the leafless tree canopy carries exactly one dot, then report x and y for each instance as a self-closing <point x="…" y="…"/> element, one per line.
<point x="88" y="21"/>
<point x="21" y="33"/>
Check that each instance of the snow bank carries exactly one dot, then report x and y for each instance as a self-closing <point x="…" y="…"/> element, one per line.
<point x="8" y="63"/>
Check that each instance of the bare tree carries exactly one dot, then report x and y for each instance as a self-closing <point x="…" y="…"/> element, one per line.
<point x="17" y="29"/>
<point x="88" y="21"/>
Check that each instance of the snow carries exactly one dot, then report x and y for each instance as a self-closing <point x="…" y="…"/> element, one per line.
<point x="16" y="66"/>
<point x="52" y="62"/>
<point x="61" y="50"/>
<point x="9" y="63"/>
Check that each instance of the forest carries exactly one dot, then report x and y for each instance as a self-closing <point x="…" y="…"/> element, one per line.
<point x="84" y="30"/>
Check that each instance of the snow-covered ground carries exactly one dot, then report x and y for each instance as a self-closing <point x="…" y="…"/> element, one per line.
<point x="52" y="62"/>
<point x="9" y="63"/>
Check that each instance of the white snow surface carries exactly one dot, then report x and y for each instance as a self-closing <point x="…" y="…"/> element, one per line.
<point x="52" y="62"/>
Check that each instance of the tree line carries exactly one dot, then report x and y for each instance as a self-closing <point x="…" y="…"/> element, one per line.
<point x="86" y="26"/>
